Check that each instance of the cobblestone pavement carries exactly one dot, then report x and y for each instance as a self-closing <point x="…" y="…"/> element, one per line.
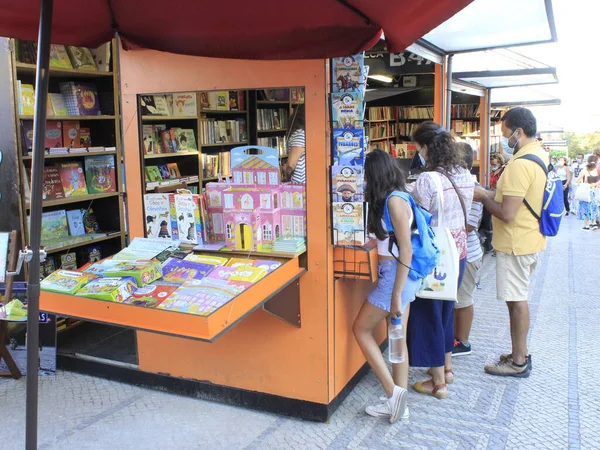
<point x="557" y="407"/>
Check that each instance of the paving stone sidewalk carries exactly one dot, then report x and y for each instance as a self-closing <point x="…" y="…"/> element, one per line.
<point x="556" y="408"/>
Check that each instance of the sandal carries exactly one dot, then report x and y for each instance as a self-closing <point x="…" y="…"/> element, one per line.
<point x="440" y="391"/>
<point x="448" y="375"/>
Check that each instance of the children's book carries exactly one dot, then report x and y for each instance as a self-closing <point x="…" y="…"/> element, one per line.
<point x="68" y="261"/>
<point x="174" y="170"/>
<point x="166" y="142"/>
<point x="187" y="140"/>
<point x="53" y="135"/>
<point x="348" y="223"/>
<point x="204" y="103"/>
<point x="152" y="173"/>
<point x="52" y="187"/>
<point x="100" y="174"/>
<point x="179" y="271"/>
<point x="81" y="58"/>
<point x="101" y="57"/>
<point x="75" y="219"/>
<point x="58" y="106"/>
<point x="85" y="138"/>
<point x="54" y="225"/>
<point x="347" y="184"/>
<point x="70" y="130"/>
<point x="188" y="218"/>
<point x="348" y="147"/>
<point x="158" y="216"/>
<point x="94" y="254"/>
<point x="144" y="272"/>
<point x="73" y="179"/>
<point x="147" y="105"/>
<point x="223" y="100"/>
<point x="245" y="274"/>
<point x="178" y="253"/>
<point x="150" y="296"/>
<point x="347" y="109"/>
<point x="347" y="73"/>
<point x="48" y="266"/>
<point x="66" y="281"/>
<point x="81" y="98"/>
<point x="113" y="289"/>
<point x="184" y="104"/>
<point x="27" y="99"/>
<point x="207" y="259"/>
<point x="149" y="139"/>
<point x="90" y="222"/>
<point x="164" y="171"/>
<point x="59" y="57"/>
<point x="200" y="297"/>
<point x="162" y="105"/>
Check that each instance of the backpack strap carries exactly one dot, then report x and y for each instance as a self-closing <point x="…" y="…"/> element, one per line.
<point x="460" y="198"/>
<point x="538" y="160"/>
<point x="390" y="226"/>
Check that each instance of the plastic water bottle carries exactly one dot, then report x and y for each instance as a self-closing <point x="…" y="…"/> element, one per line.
<point x="395" y="336"/>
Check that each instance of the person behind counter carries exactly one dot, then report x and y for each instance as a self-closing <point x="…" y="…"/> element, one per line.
<point x="295" y="167"/>
<point x="395" y="290"/>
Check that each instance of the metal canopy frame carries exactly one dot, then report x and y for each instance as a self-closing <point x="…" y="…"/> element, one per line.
<point x="551" y="71"/>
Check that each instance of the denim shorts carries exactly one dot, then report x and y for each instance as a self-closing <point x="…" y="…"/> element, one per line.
<point x="381" y="296"/>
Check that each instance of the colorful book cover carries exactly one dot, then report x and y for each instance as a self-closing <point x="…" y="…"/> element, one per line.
<point x="164" y="171"/>
<point x="85" y="138"/>
<point x="204" y="103"/>
<point x="94" y="254"/>
<point x="184" y="104"/>
<point x="81" y="98"/>
<point x="112" y="289"/>
<point x="223" y="100"/>
<point x="166" y="142"/>
<point x="158" y="216"/>
<point x="158" y="130"/>
<point x="347" y="73"/>
<point x="348" y="223"/>
<point x="152" y="173"/>
<point x="101" y="57"/>
<point x="59" y="57"/>
<point x="200" y="297"/>
<point x="133" y="254"/>
<point x="189" y="222"/>
<point x="75" y="219"/>
<point x="179" y="270"/>
<point x="187" y="140"/>
<point x="174" y="139"/>
<point x="68" y="261"/>
<point x="58" y="104"/>
<point x="178" y="253"/>
<point x="207" y="259"/>
<point x="162" y="105"/>
<point x="174" y="170"/>
<point x="73" y="179"/>
<point x="52" y="187"/>
<point x="48" y="266"/>
<point x="348" y="147"/>
<point x="347" y="184"/>
<point x="27" y="95"/>
<point x="66" y="281"/>
<point x="233" y="101"/>
<point x="150" y="296"/>
<point x="147" y="105"/>
<point x="245" y="274"/>
<point x="347" y="109"/>
<point x="267" y="265"/>
<point x="149" y="140"/>
<point x="81" y="58"/>
<point x="54" y="225"/>
<point x="144" y="272"/>
<point x="100" y="174"/>
<point x="70" y="130"/>
<point x="90" y="222"/>
<point x="53" y="136"/>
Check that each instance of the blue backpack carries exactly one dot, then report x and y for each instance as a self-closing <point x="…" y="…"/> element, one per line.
<point x="553" y="206"/>
<point x="426" y="254"/>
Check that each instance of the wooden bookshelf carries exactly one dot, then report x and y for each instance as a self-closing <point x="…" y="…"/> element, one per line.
<point x="105" y="131"/>
<point x="167" y="118"/>
<point x="171" y="155"/>
<point x="225" y="144"/>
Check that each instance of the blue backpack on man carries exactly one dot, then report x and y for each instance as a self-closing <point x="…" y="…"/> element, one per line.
<point x="426" y="254"/>
<point x="553" y="206"/>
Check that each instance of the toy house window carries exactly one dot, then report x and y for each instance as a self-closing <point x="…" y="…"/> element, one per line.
<point x="298" y="226"/>
<point x="237" y="177"/>
<point x="228" y="227"/>
<point x="249" y="177"/>
<point x="275" y="205"/>
<point x="267" y="233"/>
<point x="228" y="200"/>
<point x="247" y="201"/>
<point x="262" y="178"/>
<point x="285" y="200"/>
<point x="273" y="178"/>
<point x="215" y="198"/>
<point x="276" y="231"/>
<point x="218" y="223"/>
<point x="265" y="201"/>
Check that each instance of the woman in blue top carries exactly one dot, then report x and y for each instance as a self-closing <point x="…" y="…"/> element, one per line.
<point x="394" y="290"/>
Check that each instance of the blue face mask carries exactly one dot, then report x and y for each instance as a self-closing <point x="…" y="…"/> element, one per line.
<point x="507" y="148"/>
<point x="423" y="162"/>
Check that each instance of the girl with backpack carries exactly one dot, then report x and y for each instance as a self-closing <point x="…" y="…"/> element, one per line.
<point x="431" y="326"/>
<point x="386" y="195"/>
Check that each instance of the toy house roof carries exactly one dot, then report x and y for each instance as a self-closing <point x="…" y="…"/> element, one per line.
<point x="255" y="163"/>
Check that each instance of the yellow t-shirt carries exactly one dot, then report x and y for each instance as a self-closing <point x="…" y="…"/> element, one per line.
<point x="521" y="178"/>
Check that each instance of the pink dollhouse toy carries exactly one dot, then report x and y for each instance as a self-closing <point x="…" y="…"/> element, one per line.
<point x="256" y="208"/>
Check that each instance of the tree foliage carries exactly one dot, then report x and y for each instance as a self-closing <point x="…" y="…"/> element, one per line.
<point x="582" y="143"/>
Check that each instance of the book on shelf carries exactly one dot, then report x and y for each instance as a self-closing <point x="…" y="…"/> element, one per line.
<point x="297" y="95"/>
<point x="24" y="52"/>
<point x="81" y="98"/>
<point x="75" y="220"/>
<point x="81" y="58"/>
<point x="290" y="244"/>
<point x="157" y="215"/>
<point x="68" y="261"/>
<point x="57" y="101"/>
<point x="164" y="171"/>
<point x="90" y="222"/>
<point x="73" y="179"/>
<point x="188" y="218"/>
<point x="348" y="223"/>
<point x="274" y="95"/>
<point x="381" y="113"/>
<point x="100" y="174"/>
<point x="204" y="100"/>
<point x="347" y="184"/>
<point x="54" y="225"/>
<point x="465" y="111"/>
<point x="272" y="119"/>
<point x="276" y="142"/>
<point x="53" y="136"/>
<point x="85" y="138"/>
<point x="348" y="146"/>
<point x="186" y="139"/>
<point x="184" y="104"/>
<point x="382" y="130"/>
<point x="347" y="73"/>
<point x="407" y="128"/>
<point x="94" y="253"/>
<point x="52" y="184"/>
<point x="59" y="58"/>
<point x="174" y="170"/>
<point x="58" y="150"/>
<point x="71" y="137"/>
<point x="149" y="140"/>
<point x="347" y="109"/>
<point x="415" y="112"/>
<point x="223" y="100"/>
<point x="101" y="57"/>
<point x="152" y="173"/>
<point x="406" y="150"/>
<point x="223" y="131"/>
<point x="26" y="99"/>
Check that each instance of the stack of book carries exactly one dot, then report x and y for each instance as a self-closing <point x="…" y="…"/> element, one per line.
<point x="290" y="245"/>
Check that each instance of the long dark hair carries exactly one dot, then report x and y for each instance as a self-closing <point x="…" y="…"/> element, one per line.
<point x="441" y="147"/>
<point x="591" y="162"/>
<point x="382" y="176"/>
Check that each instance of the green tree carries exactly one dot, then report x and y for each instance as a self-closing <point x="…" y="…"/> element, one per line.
<point x="582" y="143"/>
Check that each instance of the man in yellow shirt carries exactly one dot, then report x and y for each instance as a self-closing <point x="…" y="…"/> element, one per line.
<point x="517" y="237"/>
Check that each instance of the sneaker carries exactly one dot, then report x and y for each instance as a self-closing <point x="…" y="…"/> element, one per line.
<point x="508" y="356"/>
<point x="508" y="368"/>
<point x="586" y="228"/>
<point x="397" y="403"/>
<point x="460" y="349"/>
<point x="383" y="410"/>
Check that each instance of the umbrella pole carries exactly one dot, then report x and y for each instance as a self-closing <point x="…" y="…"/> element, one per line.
<point x="33" y="285"/>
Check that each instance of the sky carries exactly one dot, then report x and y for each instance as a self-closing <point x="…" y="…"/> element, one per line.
<point x="576" y="57"/>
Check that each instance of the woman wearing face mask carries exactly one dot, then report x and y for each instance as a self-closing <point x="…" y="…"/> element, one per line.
<point x="431" y="325"/>
<point x="565" y="175"/>
<point x="497" y="163"/>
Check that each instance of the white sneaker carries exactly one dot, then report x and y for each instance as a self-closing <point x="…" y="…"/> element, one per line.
<point x="383" y="410"/>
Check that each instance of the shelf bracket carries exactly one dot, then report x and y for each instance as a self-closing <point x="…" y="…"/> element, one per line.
<point x="286" y="304"/>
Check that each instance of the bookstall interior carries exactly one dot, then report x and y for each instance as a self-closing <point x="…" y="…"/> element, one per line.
<point x="83" y="217"/>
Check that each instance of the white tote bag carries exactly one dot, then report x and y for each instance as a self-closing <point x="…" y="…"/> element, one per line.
<point x="583" y="191"/>
<point x="442" y="282"/>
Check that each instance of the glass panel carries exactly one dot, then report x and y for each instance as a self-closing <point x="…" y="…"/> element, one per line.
<point x="489" y="23"/>
<point x="522" y="94"/>
<point x="512" y="80"/>
<point x="499" y="59"/>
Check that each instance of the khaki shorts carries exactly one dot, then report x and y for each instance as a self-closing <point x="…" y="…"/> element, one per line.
<point x="513" y="274"/>
<point x="467" y="287"/>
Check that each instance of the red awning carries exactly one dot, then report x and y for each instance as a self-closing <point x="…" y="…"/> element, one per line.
<point x="256" y="29"/>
